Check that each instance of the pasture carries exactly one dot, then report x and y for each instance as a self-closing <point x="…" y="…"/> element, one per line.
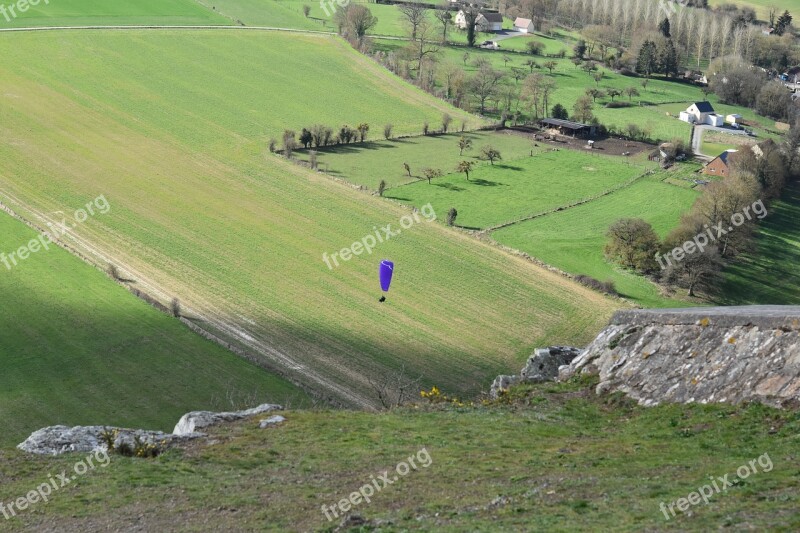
<point x="77" y="349"/>
<point x="173" y="127"/>
<point x="369" y="163"/>
<point x="512" y="189"/>
<point x="573" y="240"/>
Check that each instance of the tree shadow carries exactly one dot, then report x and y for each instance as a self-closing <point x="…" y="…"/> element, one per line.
<point x="485" y="183"/>
<point x="450" y="187"/>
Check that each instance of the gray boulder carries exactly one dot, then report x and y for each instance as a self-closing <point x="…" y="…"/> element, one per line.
<point x="56" y="440"/>
<point x="191" y="423"/>
<point x="542" y="366"/>
<point x="272" y="421"/>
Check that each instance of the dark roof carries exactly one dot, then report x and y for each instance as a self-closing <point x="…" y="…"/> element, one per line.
<point x="704" y="107"/>
<point x="724" y="156"/>
<point x="564" y="123"/>
<point x="493" y="17"/>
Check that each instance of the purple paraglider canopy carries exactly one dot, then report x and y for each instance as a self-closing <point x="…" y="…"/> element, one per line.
<point x="386" y="270"/>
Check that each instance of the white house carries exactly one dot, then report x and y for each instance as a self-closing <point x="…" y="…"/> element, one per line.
<point x="486" y="22"/>
<point x="702" y="113"/>
<point x="523" y="25"/>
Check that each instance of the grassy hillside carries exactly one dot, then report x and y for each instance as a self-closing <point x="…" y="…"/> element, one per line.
<point x="560" y="459"/>
<point x="573" y="240"/>
<point x="762" y="6"/>
<point x="113" y="12"/>
<point x="76" y="349"/>
<point x="173" y="126"/>
<point x="768" y="274"/>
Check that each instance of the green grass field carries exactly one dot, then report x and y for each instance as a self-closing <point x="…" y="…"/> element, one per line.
<point x="173" y="126"/>
<point x="113" y="12"/>
<point x="367" y="164"/>
<point x="768" y="274"/>
<point x="762" y="6"/>
<point x="76" y="349"/>
<point x="517" y="188"/>
<point x="573" y="240"/>
<point x="598" y="464"/>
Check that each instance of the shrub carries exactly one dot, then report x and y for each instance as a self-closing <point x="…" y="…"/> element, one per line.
<point x="175" y="307"/>
<point x="381" y="187"/>
<point x="113" y="272"/>
<point x="273" y="145"/>
<point x="425" y="128"/>
<point x="451" y="216"/>
<point x="312" y="159"/>
<point x="606" y="287"/>
<point x="387" y="131"/>
<point x="617" y="105"/>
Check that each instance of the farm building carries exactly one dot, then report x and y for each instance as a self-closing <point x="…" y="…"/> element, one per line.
<point x="720" y="165"/>
<point x="567" y="127"/>
<point x="702" y="113"/>
<point x="486" y="21"/>
<point x="523" y="25"/>
<point x="733" y="118"/>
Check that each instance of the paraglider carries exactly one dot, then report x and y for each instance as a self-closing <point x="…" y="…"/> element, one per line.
<point x="385" y="272"/>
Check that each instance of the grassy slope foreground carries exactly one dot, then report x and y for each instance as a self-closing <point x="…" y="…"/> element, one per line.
<point x="173" y="126"/>
<point x="560" y="459"/>
<point x="114" y="12"/>
<point x="76" y="349"/>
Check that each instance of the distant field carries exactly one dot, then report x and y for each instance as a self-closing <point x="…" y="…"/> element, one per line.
<point x="510" y="190"/>
<point x="769" y="274"/>
<point x="76" y="349"/>
<point x="367" y="164"/>
<point x="573" y="240"/>
<point x="762" y="6"/>
<point x="113" y="12"/>
<point x="173" y="128"/>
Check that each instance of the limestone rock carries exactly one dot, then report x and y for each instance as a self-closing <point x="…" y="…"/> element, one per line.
<point x="56" y="440"/>
<point x="271" y="421"/>
<point x="704" y="355"/>
<point x="542" y="366"/>
<point x="192" y="422"/>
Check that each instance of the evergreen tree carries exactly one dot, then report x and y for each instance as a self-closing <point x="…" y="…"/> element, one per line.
<point x="783" y="23"/>
<point x="580" y="49"/>
<point x="663" y="27"/>
<point x="668" y="59"/>
<point x="648" y="59"/>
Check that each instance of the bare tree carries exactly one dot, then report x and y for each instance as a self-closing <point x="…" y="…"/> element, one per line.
<point x="414" y="13"/>
<point x="484" y="84"/>
<point x="445" y="18"/>
<point x="394" y="389"/>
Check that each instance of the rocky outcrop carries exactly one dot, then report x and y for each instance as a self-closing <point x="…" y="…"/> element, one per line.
<point x="542" y="366"/>
<point x="723" y="354"/>
<point x="55" y="440"/>
<point x="271" y="421"/>
<point x="192" y="422"/>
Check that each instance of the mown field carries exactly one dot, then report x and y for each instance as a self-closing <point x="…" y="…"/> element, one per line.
<point x="762" y="7"/>
<point x="173" y="127"/>
<point x="574" y="239"/>
<point x="113" y="12"/>
<point x="77" y="349"/>
<point x="599" y="464"/>
<point x="510" y="190"/>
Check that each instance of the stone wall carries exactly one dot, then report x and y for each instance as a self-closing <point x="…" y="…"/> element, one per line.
<point x="720" y="354"/>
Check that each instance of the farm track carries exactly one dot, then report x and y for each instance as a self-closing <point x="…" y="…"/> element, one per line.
<point x="202" y="316"/>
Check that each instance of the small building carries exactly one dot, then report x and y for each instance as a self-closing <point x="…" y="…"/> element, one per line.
<point x="697" y="113"/>
<point x="568" y="127"/>
<point x="486" y="21"/>
<point x="714" y="119"/>
<point x="523" y="25"/>
<point x="734" y="118"/>
<point x="720" y="165"/>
